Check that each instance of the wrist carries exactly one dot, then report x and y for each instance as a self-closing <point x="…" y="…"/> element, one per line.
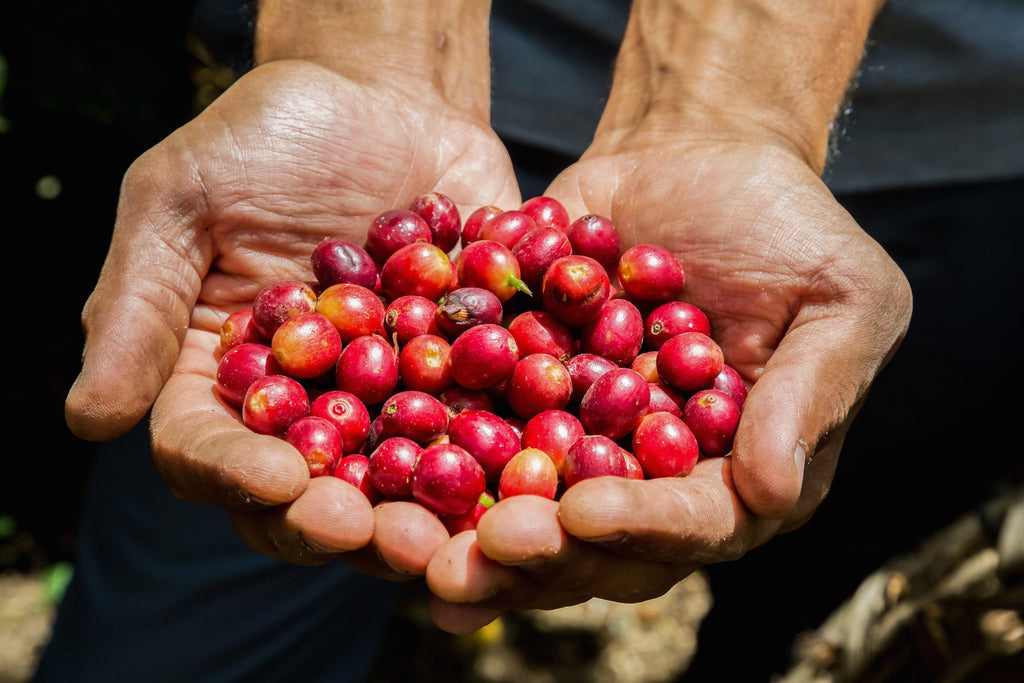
<point x="727" y="70"/>
<point x="435" y="45"/>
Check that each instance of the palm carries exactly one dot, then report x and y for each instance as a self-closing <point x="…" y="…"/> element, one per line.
<point x="801" y="300"/>
<point x="795" y="290"/>
<point x="759" y="236"/>
<point x="312" y="162"/>
<point x="274" y="166"/>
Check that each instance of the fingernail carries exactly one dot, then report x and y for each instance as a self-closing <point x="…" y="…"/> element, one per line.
<point x="250" y="500"/>
<point x="314" y="548"/>
<point x="490" y="595"/>
<point x="534" y="563"/>
<point x="800" y="459"/>
<point x="613" y="537"/>
<point x="392" y="568"/>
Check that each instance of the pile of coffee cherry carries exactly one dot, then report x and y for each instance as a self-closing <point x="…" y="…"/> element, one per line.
<point x="459" y="362"/>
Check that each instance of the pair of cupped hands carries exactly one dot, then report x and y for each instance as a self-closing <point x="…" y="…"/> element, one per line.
<point x="804" y="304"/>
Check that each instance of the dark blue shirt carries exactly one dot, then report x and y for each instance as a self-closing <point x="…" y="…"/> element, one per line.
<point x="940" y="97"/>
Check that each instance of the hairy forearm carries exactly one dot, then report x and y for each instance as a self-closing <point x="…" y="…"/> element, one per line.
<point x="442" y="44"/>
<point x="724" y="68"/>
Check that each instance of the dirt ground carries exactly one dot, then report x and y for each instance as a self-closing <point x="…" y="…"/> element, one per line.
<point x="950" y="610"/>
<point x="599" y="641"/>
<point x="26" y="614"/>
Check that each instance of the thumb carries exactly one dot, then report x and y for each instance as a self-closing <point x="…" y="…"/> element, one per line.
<point x="135" y="319"/>
<point x="806" y="399"/>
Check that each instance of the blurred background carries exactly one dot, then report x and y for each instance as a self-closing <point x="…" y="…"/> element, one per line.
<point x="87" y="87"/>
<point x="84" y="89"/>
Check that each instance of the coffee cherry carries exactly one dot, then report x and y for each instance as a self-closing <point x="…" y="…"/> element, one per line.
<point x="354" y="310"/>
<point x="348" y="414"/>
<point x="368" y="369"/>
<point x="336" y="260"/>
<point x="242" y="365"/>
<point x="487" y="436"/>
<point x="529" y="472"/>
<point x="273" y="403"/>
<point x="547" y="212"/>
<point x="617" y="333"/>
<point x="594" y="455"/>
<point x="394" y="229"/>
<point x="239" y="328"/>
<point x="713" y="417"/>
<point x="539" y="382"/>
<point x="423" y="364"/>
<point x="442" y="217"/>
<point x="614" y="403"/>
<point x="574" y="289"/>
<point x="483" y="356"/>
<point x="306" y="345"/>
<point x="534" y="357"/>
<point x="418" y="269"/>
<point x="279" y="301"/>
<point x="390" y="466"/>
<point x="466" y="307"/>
<point x="689" y="361"/>
<point x="595" y="236"/>
<point x="447" y="480"/>
<point x="507" y="227"/>
<point x="319" y="442"/>
<point x="554" y="432"/>
<point x="475" y="221"/>
<point x="415" y="415"/>
<point x="664" y="445"/>
<point x="491" y="266"/>
<point x="672" y="318"/>
<point x="650" y="272"/>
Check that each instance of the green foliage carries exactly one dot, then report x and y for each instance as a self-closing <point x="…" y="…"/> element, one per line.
<point x="55" y="581"/>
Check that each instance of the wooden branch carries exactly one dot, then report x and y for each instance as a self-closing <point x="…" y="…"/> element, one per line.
<point x="946" y="611"/>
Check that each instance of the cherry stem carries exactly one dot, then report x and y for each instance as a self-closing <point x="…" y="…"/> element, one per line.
<point x="519" y="285"/>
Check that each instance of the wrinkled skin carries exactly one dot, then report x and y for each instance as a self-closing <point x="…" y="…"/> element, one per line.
<point x="232" y="201"/>
<point x="802" y="301"/>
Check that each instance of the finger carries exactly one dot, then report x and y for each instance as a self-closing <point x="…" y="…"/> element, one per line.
<point x="202" y="449"/>
<point x="808" y="391"/>
<point x="686" y="521"/>
<point x="460" y="573"/>
<point x="328" y="519"/>
<point x="406" y="535"/>
<point x="818" y="475"/>
<point x="332" y="520"/>
<point x="458" y="618"/>
<point x="135" y="319"/>
<point x="553" y="569"/>
<point x="461" y="579"/>
<point x="394" y="543"/>
<point x="212" y="460"/>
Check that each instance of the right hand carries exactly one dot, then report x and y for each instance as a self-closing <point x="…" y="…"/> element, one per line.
<point x="801" y="300"/>
<point x="230" y="202"/>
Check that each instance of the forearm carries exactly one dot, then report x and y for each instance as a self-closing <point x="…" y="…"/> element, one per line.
<point x="441" y="44"/>
<point x="724" y="68"/>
